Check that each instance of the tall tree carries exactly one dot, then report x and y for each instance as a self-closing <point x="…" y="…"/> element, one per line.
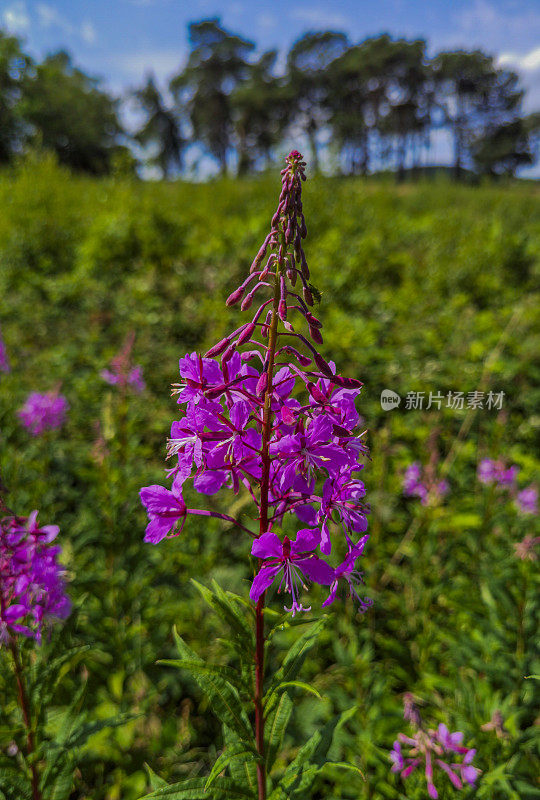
<point x="68" y="113"/>
<point x="161" y="129"/>
<point x="475" y="97"/>
<point x="308" y="74"/>
<point x="13" y="66"/>
<point x="261" y="106"/>
<point x="216" y="64"/>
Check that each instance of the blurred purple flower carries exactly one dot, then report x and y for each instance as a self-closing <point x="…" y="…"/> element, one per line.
<point x="32" y="588"/>
<point x="43" y="412"/>
<point x="416" y="483"/>
<point x="494" y="472"/>
<point x="426" y="747"/>
<point x="527" y="501"/>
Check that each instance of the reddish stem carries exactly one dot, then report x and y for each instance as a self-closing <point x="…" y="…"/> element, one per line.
<point x="263" y="525"/>
<point x="25" y="708"/>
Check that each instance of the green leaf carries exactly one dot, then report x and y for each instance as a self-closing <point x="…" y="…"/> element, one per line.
<point x="292" y="663"/>
<point x="276" y="729"/>
<point x="344" y="765"/>
<point x="223" y="697"/>
<point x="14" y="784"/>
<point x="155" y="781"/>
<point x="270" y="699"/>
<point x="243" y="773"/>
<point x="229" y="613"/>
<point x="230" y="675"/>
<point x="237" y="752"/>
<point x="193" y="789"/>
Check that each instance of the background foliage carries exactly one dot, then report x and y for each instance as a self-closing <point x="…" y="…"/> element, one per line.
<point x="424" y="288"/>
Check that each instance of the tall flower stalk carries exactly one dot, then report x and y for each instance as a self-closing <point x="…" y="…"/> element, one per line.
<point x="263" y="410"/>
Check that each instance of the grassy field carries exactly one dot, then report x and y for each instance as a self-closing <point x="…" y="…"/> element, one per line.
<point x="425" y="288"/>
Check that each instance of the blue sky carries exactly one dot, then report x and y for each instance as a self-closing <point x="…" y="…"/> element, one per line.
<point x="120" y="40"/>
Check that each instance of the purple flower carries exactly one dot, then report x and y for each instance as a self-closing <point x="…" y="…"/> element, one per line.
<point x="427" y="747"/>
<point x="165" y="508"/>
<point x="418" y="483"/>
<point x="198" y="374"/>
<point x="122" y="372"/>
<point x="293" y="559"/>
<point x="32" y="588"/>
<point x="494" y="472"/>
<point x="311" y="449"/>
<point x="342" y="495"/>
<point x="527" y="501"/>
<point x="4" y="363"/>
<point x="43" y="412"/>
<point x="346" y="571"/>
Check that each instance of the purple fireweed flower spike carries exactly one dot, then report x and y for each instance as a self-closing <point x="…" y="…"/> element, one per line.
<point x="417" y="482"/>
<point x="432" y="749"/>
<point x="32" y="586"/>
<point x="527" y="501"/>
<point x="264" y="412"/>
<point x="122" y="372"/>
<point x="43" y="412"/>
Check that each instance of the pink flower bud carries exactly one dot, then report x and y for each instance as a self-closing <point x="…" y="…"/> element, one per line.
<point x="216" y="391"/>
<point x="261" y="384"/>
<point x="247" y="333"/>
<point x="247" y="301"/>
<point x="235" y="296"/>
<point x="227" y="355"/>
<point x="218" y="348"/>
<point x="308" y="297"/>
<point x="287" y="416"/>
<point x="316" y="393"/>
<point x="315" y="334"/>
<point x="323" y="365"/>
<point x="347" y="383"/>
<point x="313" y="321"/>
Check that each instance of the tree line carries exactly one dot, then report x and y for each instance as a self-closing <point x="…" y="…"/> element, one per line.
<point x="370" y="106"/>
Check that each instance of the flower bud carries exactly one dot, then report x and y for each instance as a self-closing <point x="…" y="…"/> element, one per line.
<point x="248" y="300"/>
<point x="316" y="393"/>
<point x="247" y="333"/>
<point x="235" y="296"/>
<point x="227" y="355"/>
<point x="308" y="297"/>
<point x="323" y="366"/>
<point x="315" y="334"/>
<point x="218" y="348"/>
<point x="287" y="416"/>
<point x="262" y="384"/>
<point x="313" y="321"/>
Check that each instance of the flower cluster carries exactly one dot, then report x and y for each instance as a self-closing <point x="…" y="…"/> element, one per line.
<point x="418" y="483"/>
<point x="427" y="748"/>
<point x="4" y="363"/>
<point x="494" y="473"/>
<point x="264" y="411"/>
<point x="32" y="588"/>
<point x="43" y="412"/>
<point x="122" y="372"/>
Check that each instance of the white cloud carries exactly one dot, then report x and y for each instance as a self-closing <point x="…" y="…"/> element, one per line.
<point x="49" y="17"/>
<point x="88" y="32"/>
<point x="266" y="21"/>
<point x="163" y="63"/>
<point x="320" y="17"/>
<point x="529" y="62"/>
<point x="16" y="18"/>
<point x="483" y="21"/>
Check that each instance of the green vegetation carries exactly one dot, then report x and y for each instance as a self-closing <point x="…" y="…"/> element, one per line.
<point x="432" y="287"/>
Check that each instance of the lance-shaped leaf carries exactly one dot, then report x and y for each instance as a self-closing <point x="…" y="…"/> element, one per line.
<point x="155" y="781"/>
<point x="223" y="696"/>
<point x="243" y="773"/>
<point x="292" y="663"/>
<point x="194" y="789"/>
<point x="238" y="753"/>
<point x="225" y="605"/>
<point x="276" y="726"/>
<point x="270" y="699"/>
